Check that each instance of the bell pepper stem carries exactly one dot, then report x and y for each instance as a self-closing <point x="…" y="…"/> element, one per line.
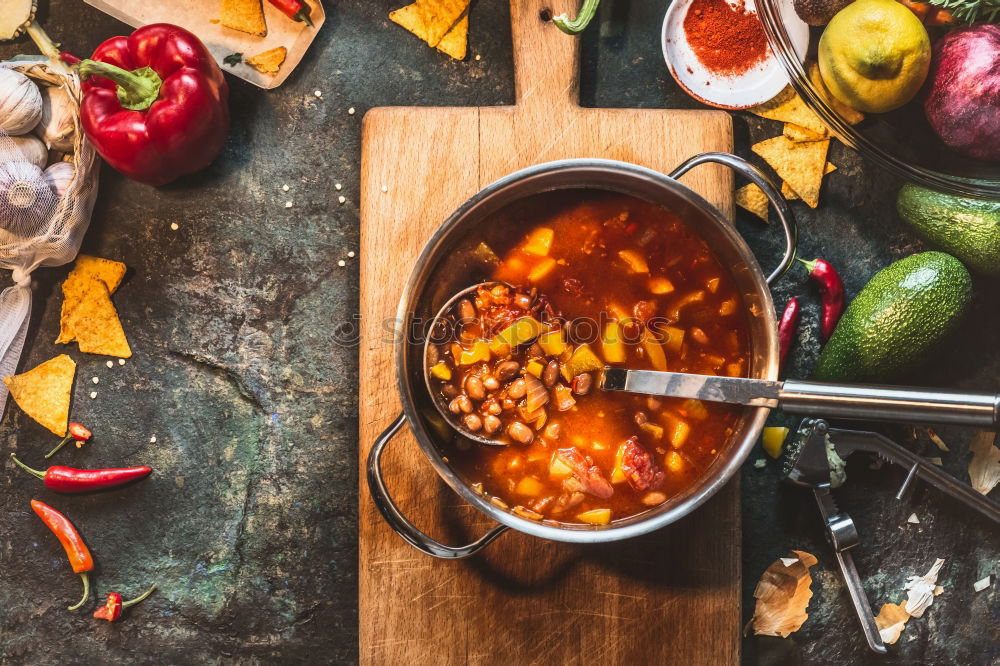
<point x="86" y="591"/>
<point x="582" y="20"/>
<point x="137" y="89"/>
<point x="33" y="472"/>
<point x="61" y="444"/>
<point x="141" y="597"/>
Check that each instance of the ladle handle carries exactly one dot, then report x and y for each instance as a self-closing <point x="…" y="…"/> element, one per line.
<point x="891" y="403"/>
<point x="400" y="523"/>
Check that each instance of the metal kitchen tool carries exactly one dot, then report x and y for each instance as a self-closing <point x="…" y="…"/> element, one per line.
<point x="848" y="401"/>
<point x="807" y="464"/>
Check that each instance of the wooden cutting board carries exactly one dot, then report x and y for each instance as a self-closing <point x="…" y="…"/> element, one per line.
<point x="670" y="597"/>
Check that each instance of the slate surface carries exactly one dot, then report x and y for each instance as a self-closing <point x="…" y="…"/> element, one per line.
<point x="249" y="524"/>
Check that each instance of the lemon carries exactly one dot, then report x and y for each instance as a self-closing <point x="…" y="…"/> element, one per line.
<point x="874" y="55"/>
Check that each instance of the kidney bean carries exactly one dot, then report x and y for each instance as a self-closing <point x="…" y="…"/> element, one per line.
<point x="520" y="433"/>
<point x="506" y="370"/>
<point x="582" y="383"/>
<point x="490" y="383"/>
<point x="491" y="424"/>
<point x="551" y="373"/>
<point x="493" y="407"/>
<point x="535" y="351"/>
<point x="449" y="391"/>
<point x="517" y="388"/>
<point x="474" y="387"/>
<point x="552" y="430"/>
<point x="523" y="301"/>
<point x="460" y="404"/>
<point x="654" y="498"/>
<point x="640" y="418"/>
<point x="472" y="422"/>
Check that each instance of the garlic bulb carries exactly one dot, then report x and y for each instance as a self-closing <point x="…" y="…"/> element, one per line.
<point x="57" y="126"/>
<point x="30" y="149"/>
<point x="20" y="103"/>
<point x="59" y="176"/>
<point x="26" y="200"/>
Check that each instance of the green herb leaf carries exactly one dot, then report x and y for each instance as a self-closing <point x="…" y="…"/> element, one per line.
<point x="971" y="11"/>
<point x="233" y="59"/>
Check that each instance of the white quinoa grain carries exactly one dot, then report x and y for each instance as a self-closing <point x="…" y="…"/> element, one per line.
<point x="350" y="111"/>
<point x="351" y="254"/>
<point x="318" y="93"/>
<point x="288" y="204"/>
<point x="338" y="186"/>
<point x="341" y="199"/>
<point x="285" y="188"/>
<point x="121" y="361"/>
<point x="96" y="380"/>
<point x="479" y="57"/>
<point x="152" y="440"/>
<point x="110" y="364"/>
<point x="175" y="226"/>
<point x="93" y="394"/>
<point x="341" y="263"/>
<point x="385" y="188"/>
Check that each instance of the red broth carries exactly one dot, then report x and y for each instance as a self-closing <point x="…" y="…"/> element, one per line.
<point x="634" y="285"/>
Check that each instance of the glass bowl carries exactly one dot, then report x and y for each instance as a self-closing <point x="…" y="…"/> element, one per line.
<point x="901" y="141"/>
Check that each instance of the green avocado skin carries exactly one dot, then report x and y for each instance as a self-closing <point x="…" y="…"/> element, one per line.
<point x="897" y="319"/>
<point x="967" y="228"/>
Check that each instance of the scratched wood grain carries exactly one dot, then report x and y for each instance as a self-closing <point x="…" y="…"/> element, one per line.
<point x="670" y="597"/>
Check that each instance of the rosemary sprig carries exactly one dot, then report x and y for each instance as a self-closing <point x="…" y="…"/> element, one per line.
<point x="970" y="11"/>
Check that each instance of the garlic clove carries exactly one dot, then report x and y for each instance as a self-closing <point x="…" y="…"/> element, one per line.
<point x="59" y="176"/>
<point x="28" y="148"/>
<point x="57" y="126"/>
<point x="20" y="102"/>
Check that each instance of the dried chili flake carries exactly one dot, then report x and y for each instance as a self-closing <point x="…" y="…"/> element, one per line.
<point x="726" y="38"/>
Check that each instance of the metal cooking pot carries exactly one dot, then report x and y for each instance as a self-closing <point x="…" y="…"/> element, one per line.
<point x="444" y="267"/>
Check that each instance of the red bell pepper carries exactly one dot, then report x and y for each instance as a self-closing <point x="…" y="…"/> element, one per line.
<point x="155" y="104"/>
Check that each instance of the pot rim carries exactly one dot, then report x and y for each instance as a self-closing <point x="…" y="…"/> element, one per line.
<point x="715" y="478"/>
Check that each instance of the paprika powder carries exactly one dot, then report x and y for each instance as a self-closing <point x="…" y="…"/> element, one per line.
<point x="728" y="40"/>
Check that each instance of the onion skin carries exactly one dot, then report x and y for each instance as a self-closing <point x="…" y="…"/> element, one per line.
<point x="963" y="91"/>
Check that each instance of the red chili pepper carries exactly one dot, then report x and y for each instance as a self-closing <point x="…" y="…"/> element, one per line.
<point x="68" y="58"/>
<point x="832" y="287"/>
<point x="78" y="432"/>
<point x="76" y="550"/>
<point x="294" y="9"/>
<point x="113" y="606"/>
<point x="70" y="480"/>
<point x="155" y="104"/>
<point x="786" y="329"/>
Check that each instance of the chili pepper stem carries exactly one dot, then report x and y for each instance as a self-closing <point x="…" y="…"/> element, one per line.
<point x="302" y="16"/>
<point x="33" y="472"/>
<point x="582" y="20"/>
<point x="86" y="591"/>
<point x="137" y="89"/>
<point x="61" y="444"/>
<point x="810" y="265"/>
<point x="140" y="598"/>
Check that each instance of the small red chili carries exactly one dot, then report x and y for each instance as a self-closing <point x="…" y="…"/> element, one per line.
<point x="71" y="480"/>
<point x="76" y="550"/>
<point x="78" y="432"/>
<point x="832" y="288"/>
<point x="786" y="329"/>
<point x="113" y="606"/>
<point x="294" y="9"/>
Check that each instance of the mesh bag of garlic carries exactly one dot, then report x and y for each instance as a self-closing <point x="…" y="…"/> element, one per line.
<point x="48" y="184"/>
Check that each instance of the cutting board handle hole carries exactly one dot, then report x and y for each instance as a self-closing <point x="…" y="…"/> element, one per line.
<point x="545" y="15"/>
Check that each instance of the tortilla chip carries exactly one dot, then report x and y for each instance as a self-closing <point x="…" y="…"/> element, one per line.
<point x="789" y="193"/>
<point x="44" y="392"/>
<point x="93" y="322"/>
<point x="852" y="116"/>
<point x="798" y="133"/>
<point x="244" y="15"/>
<point x="430" y="20"/>
<point x="454" y="43"/>
<point x="268" y="62"/>
<point x="106" y="270"/>
<point x="753" y="199"/>
<point x="788" y="107"/>
<point x="800" y="163"/>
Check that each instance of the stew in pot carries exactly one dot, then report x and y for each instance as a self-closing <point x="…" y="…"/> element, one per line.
<point x="610" y="280"/>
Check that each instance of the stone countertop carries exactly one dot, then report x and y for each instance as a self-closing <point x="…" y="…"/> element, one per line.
<point x="249" y="525"/>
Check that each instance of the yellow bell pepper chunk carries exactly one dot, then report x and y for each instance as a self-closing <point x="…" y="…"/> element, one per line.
<point x="529" y="486"/>
<point x="636" y="262"/>
<point x="660" y="285"/>
<point x="674" y="462"/>
<point x="583" y="360"/>
<point x="774" y="440"/>
<point x="617" y="474"/>
<point x="539" y="241"/>
<point x="541" y="269"/>
<point x="595" y="517"/>
<point x="654" y="430"/>
<point x="612" y="344"/>
<point x="521" y="332"/>
<point x="535" y="367"/>
<point x="552" y="342"/>
<point x="480" y="352"/>
<point x="712" y="284"/>
<point x="727" y="307"/>
<point x="674" y="339"/>
<point x="558" y="469"/>
<point x="441" y="371"/>
<point x="498" y="347"/>
<point x="695" y="409"/>
<point x="679" y="433"/>
<point x="654" y="351"/>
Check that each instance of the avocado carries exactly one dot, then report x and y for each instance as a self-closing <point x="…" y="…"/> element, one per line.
<point x="967" y="228"/>
<point x="897" y="319"/>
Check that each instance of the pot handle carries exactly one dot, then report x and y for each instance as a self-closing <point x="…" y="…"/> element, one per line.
<point x="398" y="522"/>
<point x="756" y="176"/>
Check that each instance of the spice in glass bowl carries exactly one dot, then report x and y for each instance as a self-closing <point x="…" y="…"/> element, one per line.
<point x="727" y="39"/>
